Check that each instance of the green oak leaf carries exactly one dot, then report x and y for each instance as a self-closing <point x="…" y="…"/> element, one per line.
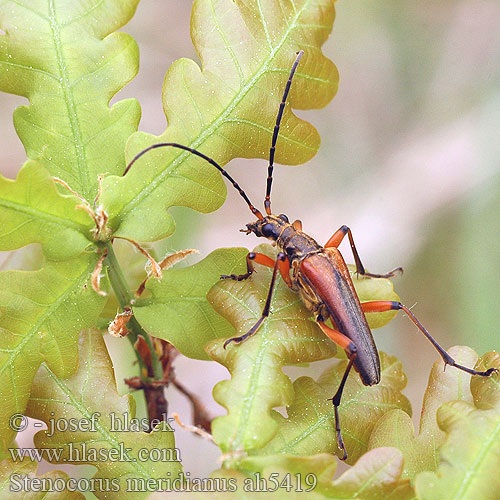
<point x="178" y="310"/>
<point x="396" y="428"/>
<point x="486" y="390"/>
<point x="322" y="466"/>
<point x="374" y="289"/>
<point x="287" y="337"/>
<point x="14" y="476"/>
<point x="64" y="57"/>
<point x="32" y="210"/>
<point x="469" y="459"/>
<point x="227" y="108"/>
<point x="41" y="313"/>
<point x="375" y="476"/>
<point x="310" y="425"/>
<point x="90" y="395"/>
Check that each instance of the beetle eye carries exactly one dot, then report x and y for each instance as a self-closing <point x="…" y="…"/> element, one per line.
<point x="267" y="230"/>
<point x="283" y="217"/>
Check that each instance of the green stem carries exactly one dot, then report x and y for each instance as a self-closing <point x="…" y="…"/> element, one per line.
<point x="125" y="296"/>
<point x="118" y="282"/>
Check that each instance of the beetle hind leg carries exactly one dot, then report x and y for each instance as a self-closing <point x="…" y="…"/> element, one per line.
<point x="349" y="347"/>
<point x="336" y="403"/>
<point x="387" y="305"/>
<point x="395" y="272"/>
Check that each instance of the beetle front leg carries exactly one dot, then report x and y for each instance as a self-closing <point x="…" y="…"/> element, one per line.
<point x="264" y="260"/>
<point x="260" y="258"/>
<point x="335" y="241"/>
<point x="267" y="307"/>
<point x="388" y="305"/>
<point x="348" y="345"/>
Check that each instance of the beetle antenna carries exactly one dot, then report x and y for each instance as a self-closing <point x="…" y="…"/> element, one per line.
<point x="206" y="158"/>
<point x="267" y="201"/>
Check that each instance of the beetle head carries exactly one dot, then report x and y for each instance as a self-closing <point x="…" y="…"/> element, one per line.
<point x="268" y="227"/>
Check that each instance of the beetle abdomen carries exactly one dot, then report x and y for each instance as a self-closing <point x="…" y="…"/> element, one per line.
<point x="328" y="276"/>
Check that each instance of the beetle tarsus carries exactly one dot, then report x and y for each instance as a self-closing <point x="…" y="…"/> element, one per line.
<point x="340" y="441"/>
<point x="234" y="339"/>
<point x="338" y="432"/>
<point x="448" y="360"/>
<point x="398" y="271"/>
<point x="488" y="372"/>
<point x="235" y="277"/>
<point x="250" y="332"/>
<point x="471" y="371"/>
<point x="250" y="269"/>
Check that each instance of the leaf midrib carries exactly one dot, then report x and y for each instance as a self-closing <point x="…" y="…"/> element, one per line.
<point x="50" y="310"/>
<point x="105" y="433"/>
<point x="252" y="393"/>
<point x="37" y="214"/>
<point x="376" y="474"/>
<point x="471" y="473"/>
<point x="67" y="90"/>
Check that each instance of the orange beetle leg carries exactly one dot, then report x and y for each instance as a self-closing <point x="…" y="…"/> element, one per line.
<point x="263" y="260"/>
<point x="336" y="240"/>
<point x="346" y="344"/>
<point x="388" y="305"/>
<point x="260" y="258"/>
<point x="340" y="339"/>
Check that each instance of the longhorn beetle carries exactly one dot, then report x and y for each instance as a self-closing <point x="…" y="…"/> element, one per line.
<point x="320" y="276"/>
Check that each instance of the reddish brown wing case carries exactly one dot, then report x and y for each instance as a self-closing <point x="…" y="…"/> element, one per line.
<point x="329" y="276"/>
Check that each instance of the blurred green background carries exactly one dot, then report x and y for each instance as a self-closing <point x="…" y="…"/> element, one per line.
<point x="410" y="160"/>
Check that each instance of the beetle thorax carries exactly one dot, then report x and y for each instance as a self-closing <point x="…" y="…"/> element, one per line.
<point x="294" y="243"/>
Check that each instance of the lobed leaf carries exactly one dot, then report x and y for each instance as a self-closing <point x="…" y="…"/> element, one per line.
<point x="310" y="425"/>
<point x="90" y="395"/>
<point x="369" y="289"/>
<point x="64" y="57"/>
<point x="33" y="211"/>
<point x="178" y="310"/>
<point x="396" y="429"/>
<point x="227" y="108"/>
<point x="41" y="313"/>
<point x="321" y="468"/>
<point x="12" y="485"/>
<point x="470" y="456"/>
<point x="376" y="476"/>
<point x="288" y="336"/>
<point x="486" y="390"/>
